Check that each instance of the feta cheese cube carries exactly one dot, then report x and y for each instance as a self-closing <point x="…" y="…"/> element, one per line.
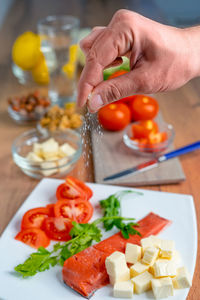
<point x="44" y="168"/>
<point x="155" y="241"/>
<point x="167" y="248"/>
<point x="49" y="148"/>
<point x="138" y="268"/>
<point x="120" y="277"/>
<point x="150" y="255"/>
<point x="164" y="267"/>
<point x="162" y="287"/>
<point x="37" y="149"/>
<point x="182" y="279"/>
<point x="146" y="242"/>
<point x="116" y="263"/>
<point x="142" y="282"/>
<point x="66" y="150"/>
<point x="34" y="157"/>
<point x="176" y="258"/>
<point x="123" y="289"/>
<point x="132" y="253"/>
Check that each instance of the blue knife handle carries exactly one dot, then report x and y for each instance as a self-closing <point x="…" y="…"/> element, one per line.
<point x="183" y="150"/>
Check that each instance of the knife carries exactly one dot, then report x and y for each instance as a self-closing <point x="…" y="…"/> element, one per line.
<point x="156" y="161"/>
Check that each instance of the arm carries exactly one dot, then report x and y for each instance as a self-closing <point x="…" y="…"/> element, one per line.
<point x="161" y="58"/>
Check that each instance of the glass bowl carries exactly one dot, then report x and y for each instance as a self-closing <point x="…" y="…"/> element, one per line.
<point x="154" y="150"/>
<point x="52" y="168"/>
<point x="26" y="118"/>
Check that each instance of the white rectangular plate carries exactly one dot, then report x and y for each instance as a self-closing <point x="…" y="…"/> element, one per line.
<point x="49" y="285"/>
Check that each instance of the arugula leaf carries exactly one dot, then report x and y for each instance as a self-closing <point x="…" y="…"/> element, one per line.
<point x="111" y="207"/>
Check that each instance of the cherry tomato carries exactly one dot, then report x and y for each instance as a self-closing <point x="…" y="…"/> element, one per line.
<point x="33" y="237"/>
<point x="117" y="73"/>
<point x="34" y="217"/>
<point x="77" y="210"/>
<point x="66" y="191"/>
<point x="57" y="228"/>
<point x="76" y="182"/>
<point x="114" y="116"/>
<point x="143" y="107"/>
<point x="50" y="208"/>
<point x="143" y="129"/>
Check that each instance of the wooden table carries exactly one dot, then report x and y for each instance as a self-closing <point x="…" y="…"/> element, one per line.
<point x="181" y="108"/>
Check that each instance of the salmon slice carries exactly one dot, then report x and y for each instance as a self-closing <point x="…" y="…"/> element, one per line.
<point x="85" y="271"/>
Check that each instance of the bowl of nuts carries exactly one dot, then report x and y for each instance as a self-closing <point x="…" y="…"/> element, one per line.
<point x="60" y="119"/>
<point x="28" y="108"/>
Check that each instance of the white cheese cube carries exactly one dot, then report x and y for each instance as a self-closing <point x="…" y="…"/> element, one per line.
<point x="182" y="279"/>
<point x="34" y="157"/>
<point x="155" y="241"/>
<point x="116" y="263"/>
<point x="146" y="242"/>
<point x="142" y="282"/>
<point x="162" y="288"/>
<point x="167" y="248"/>
<point x="37" y="149"/>
<point x="138" y="268"/>
<point x="133" y="253"/>
<point x="164" y="267"/>
<point x="123" y="289"/>
<point x="176" y="258"/>
<point x="120" y="277"/>
<point x="66" y="150"/>
<point x="49" y="148"/>
<point x="48" y="165"/>
<point x="150" y="255"/>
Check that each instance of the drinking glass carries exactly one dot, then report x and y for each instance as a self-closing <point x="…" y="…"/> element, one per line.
<point x="59" y="37"/>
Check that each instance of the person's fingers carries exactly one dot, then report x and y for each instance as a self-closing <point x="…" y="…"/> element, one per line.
<point x="86" y="43"/>
<point x="106" y="48"/>
<point x="117" y="62"/>
<point x="116" y="88"/>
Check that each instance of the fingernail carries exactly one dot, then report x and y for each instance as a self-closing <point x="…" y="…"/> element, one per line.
<point x="95" y="102"/>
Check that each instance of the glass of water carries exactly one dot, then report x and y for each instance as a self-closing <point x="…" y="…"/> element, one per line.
<point x="59" y="37"/>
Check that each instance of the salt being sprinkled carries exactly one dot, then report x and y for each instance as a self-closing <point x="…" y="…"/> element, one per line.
<point x="90" y="124"/>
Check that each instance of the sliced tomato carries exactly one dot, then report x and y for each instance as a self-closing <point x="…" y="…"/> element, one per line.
<point x="156" y="138"/>
<point x="77" y="210"/>
<point x="66" y="191"/>
<point x="50" y="208"/>
<point x="76" y="182"/>
<point x="33" y="237"/>
<point x="144" y="128"/>
<point x="34" y="217"/>
<point x="57" y="228"/>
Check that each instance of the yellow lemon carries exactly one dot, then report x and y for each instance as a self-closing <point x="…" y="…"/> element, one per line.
<point x="26" y="50"/>
<point x="70" y="67"/>
<point x="40" y="71"/>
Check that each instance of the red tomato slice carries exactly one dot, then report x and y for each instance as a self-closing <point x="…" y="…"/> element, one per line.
<point x="33" y="237"/>
<point x="76" y="182"/>
<point x="66" y="191"/>
<point x="50" y="208"/>
<point x="156" y="138"/>
<point x="57" y="228"/>
<point x="144" y="128"/>
<point x="77" y="210"/>
<point x="34" y="217"/>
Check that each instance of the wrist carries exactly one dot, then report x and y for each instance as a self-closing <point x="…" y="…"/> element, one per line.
<point x="192" y="37"/>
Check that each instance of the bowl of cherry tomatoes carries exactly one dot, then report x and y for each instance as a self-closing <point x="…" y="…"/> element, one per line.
<point x="148" y="136"/>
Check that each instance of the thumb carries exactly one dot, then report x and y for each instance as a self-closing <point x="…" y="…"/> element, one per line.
<point x="114" y="89"/>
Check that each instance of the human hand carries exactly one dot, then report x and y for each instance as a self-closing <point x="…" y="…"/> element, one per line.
<point x="161" y="58"/>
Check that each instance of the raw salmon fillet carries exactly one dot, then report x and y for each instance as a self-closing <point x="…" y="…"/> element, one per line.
<point x="85" y="271"/>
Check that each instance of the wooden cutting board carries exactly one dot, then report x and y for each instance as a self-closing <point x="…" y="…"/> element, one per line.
<point x="111" y="155"/>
